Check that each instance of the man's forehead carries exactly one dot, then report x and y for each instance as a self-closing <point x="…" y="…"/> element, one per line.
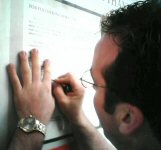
<point x="106" y="52"/>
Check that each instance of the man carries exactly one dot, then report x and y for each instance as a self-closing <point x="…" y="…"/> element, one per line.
<point x="126" y="70"/>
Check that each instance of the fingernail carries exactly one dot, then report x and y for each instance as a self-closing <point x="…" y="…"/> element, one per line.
<point x="10" y="66"/>
<point x="34" y="50"/>
<point x="47" y="61"/>
<point x="22" y="53"/>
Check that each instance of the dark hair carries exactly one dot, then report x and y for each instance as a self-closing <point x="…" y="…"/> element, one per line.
<point x="135" y="76"/>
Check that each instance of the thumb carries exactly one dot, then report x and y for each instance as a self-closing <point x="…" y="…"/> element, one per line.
<point x="59" y="92"/>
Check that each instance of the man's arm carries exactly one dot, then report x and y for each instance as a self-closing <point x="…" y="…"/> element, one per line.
<point x="33" y="97"/>
<point x="87" y="136"/>
<point x="24" y="141"/>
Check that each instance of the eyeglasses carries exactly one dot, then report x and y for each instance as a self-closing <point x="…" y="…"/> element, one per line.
<point x="87" y="80"/>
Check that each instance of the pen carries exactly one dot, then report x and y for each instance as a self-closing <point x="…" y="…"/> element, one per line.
<point x="66" y="87"/>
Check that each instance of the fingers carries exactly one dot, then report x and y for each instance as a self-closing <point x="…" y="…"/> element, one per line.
<point x="36" y="68"/>
<point x="58" y="87"/>
<point x="69" y="79"/>
<point x="59" y="93"/>
<point x="70" y="103"/>
<point x="29" y="76"/>
<point x="14" y="78"/>
<point x="47" y="72"/>
<point x="25" y="68"/>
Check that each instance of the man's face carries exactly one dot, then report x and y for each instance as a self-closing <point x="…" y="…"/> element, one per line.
<point x="106" y="52"/>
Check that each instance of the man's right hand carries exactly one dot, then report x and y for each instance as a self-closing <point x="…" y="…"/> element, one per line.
<point x="85" y="133"/>
<point x="70" y="103"/>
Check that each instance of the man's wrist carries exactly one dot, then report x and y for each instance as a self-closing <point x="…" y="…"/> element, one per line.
<point x="24" y="140"/>
<point x="79" y="119"/>
<point x="31" y="124"/>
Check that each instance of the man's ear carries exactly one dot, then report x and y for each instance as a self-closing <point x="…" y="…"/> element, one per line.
<point x="129" y="118"/>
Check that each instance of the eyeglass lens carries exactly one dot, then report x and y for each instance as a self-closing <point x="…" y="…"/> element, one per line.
<point x="87" y="80"/>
